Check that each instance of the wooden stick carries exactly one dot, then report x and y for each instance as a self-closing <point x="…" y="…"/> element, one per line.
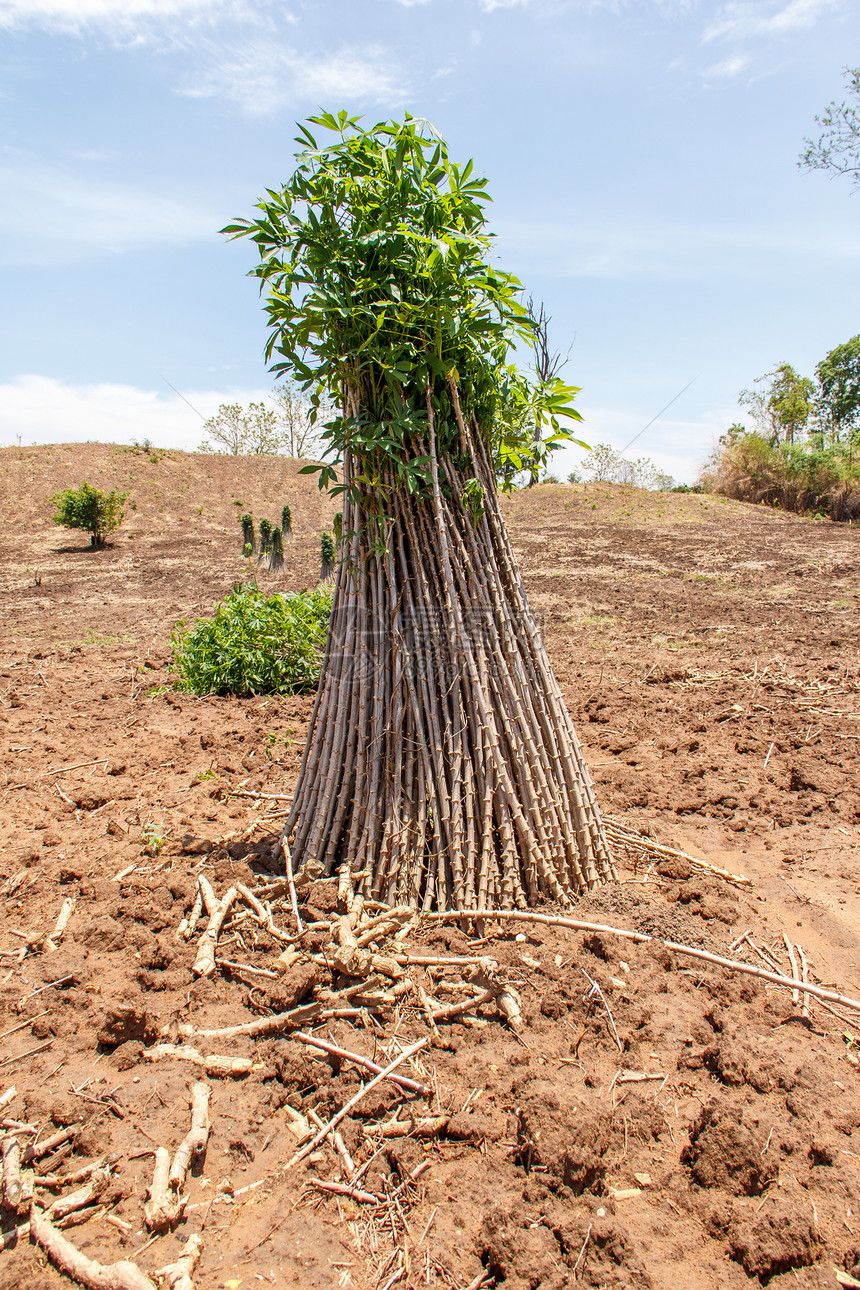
<point x="642" y="938"/>
<point x="188" y="925"/>
<point x="180" y="1274"/>
<point x="28" y="1021"/>
<point x="38" y="1150"/>
<point x="424" y="1126"/>
<point x="194" y="1143"/>
<point x="9" y="1096"/>
<point x="11" y="1155"/>
<point x="61" y="924"/>
<point x="204" y="964"/>
<point x="122" y="1275"/>
<point x="346" y="1189"/>
<point x="465" y="1005"/>
<point x="83" y="1197"/>
<point x="219" y="1066"/>
<point x="30" y="1052"/>
<point x="291" y="882"/>
<point x="804" y="1011"/>
<point x="795" y="994"/>
<point x="410" y="1084"/>
<point x="164" y="1206"/>
<point x="353" y="1102"/>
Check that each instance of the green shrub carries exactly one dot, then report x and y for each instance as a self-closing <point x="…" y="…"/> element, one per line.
<point x="793" y="477"/>
<point x="286" y="521"/>
<point x="88" y="508"/>
<point x="249" y="540"/>
<point x="265" y="537"/>
<point x="254" y="644"/>
<point x="328" y="556"/>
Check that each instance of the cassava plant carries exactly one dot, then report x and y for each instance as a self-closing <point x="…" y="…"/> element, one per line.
<point x="249" y="541"/>
<point x="286" y="520"/>
<point x="276" y="553"/>
<point x="328" y="556"/>
<point x="441" y="766"/>
<point x="265" y="538"/>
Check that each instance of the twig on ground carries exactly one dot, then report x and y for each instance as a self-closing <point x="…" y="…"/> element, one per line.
<point x="353" y="1101"/>
<point x="123" y="1275"/>
<point x="291" y="882"/>
<point x="204" y="964"/>
<point x="179" y="1275"/>
<point x="409" y="1084"/>
<point x="11" y="1155"/>
<point x="643" y="938"/>
<point x="166" y="1202"/>
<point x="595" y="989"/>
<point x="193" y="1145"/>
<point x="30" y="1052"/>
<point x="795" y="995"/>
<point x="219" y="1066"/>
<point x="188" y="925"/>
<point x="346" y="1189"/>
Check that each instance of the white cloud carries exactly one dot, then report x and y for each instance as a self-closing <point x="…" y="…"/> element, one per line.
<point x="742" y="19"/>
<point x="263" y="76"/>
<point x="728" y="68"/>
<point x="605" y="246"/>
<point x="50" y="212"/>
<point x="41" y="409"/>
<point x="74" y="15"/>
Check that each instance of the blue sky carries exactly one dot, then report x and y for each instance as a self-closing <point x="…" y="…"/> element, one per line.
<point x="641" y="154"/>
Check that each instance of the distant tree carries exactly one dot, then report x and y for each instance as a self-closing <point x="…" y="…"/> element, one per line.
<point x="783" y="406"/>
<point x="98" y="513"/>
<point x="837" y="148"/>
<point x="838" y="400"/>
<point x="603" y="463"/>
<point x="239" y="432"/>
<point x="300" y="421"/>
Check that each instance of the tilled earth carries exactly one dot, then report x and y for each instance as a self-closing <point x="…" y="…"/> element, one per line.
<point x="709" y="653"/>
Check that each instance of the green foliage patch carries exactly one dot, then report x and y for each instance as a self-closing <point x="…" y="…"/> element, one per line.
<point x="88" y="508"/>
<point x="254" y="644"/>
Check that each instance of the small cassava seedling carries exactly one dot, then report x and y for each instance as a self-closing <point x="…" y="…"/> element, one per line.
<point x="249" y="540"/>
<point x="286" y="521"/>
<point x="328" y="554"/>
<point x="265" y="538"/>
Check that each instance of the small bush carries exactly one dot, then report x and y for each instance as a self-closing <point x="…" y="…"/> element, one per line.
<point x="793" y="477"/>
<point x="90" y="509"/>
<point x="254" y="644"/>
<point x="286" y="521"/>
<point x="328" y="556"/>
<point x="249" y="540"/>
<point x="265" y="537"/>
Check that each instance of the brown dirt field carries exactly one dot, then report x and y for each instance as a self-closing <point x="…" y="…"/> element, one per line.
<point x="708" y="651"/>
